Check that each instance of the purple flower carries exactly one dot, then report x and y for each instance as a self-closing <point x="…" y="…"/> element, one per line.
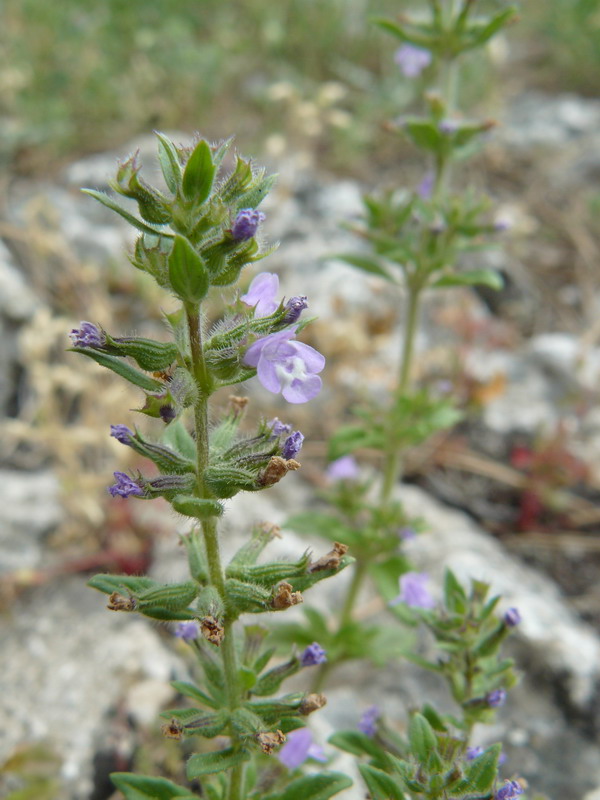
<point x="509" y="791"/>
<point x="407" y="534"/>
<point x="343" y="469"/>
<point x="188" y="630"/>
<point x="295" y="306"/>
<point x="292" y="445"/>
<point x="496" y="698"/>
<point x="474" y="752"/>
<point x="278" y="427"/>
<point x="448" y="126"/>
<point x="367" y="722"/>
<point x="412" y="60"/>
<point x="313" y="655"/>
<point x="286" y="366"/>
<point x="425" y="187"/>
<point x="298" y="747"/>
<point x="246" y="224"/>
<point x="502" y="225"/>
<point x="121" y="433"/>
<point x="414" y="591"/>
<point x="87" y="335"/>
<point x="262" y="293"/>
<point x="125" y="486"/>
<point x="512" y="617"/>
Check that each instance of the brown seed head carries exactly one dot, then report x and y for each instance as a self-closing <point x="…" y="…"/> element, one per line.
<point x="284" y="597"/>
<point x="172" y="730"/>
<point x="117" y="602"/>
<point x="330" y="560"/>
<point x="312" y="702"/>
<point x="212" y="630"/>
<point x="269" y="740"/>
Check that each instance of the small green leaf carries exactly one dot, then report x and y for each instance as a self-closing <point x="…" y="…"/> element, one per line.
<point x="116" y="583"/>
<point x="122" y="368"/>
<point x="176" y="436"/>
<point x="316" y="787"/>
<point x="187" y="272"/>
<point x="357" y="743"/>
<point x="191" y="691"/>
<point x="425" y="134"/>
<point x="476" y="277"/>
<point x="137" y="223"/>
<point x="142" y="787"/>
<point x="169" y="162"/>
<point x="364" y="263"/>
<point x="381" y="786"/>
<point x="196" y="507"/>
<point x="423" y="742"/>
<point x="480" y="774"/>
<point x="199" y="174"/>
<point x="208" y="763"/>
<point x="455" y="597"/>
<point x="386" y="575"/>
<point x="480" y="34"/>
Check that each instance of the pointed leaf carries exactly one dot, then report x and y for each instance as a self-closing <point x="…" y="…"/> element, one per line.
<point x="196" y="507"/>
<point x="423" y="742"/>
<point x="357" y="743"/>
<point x="187" y="272"/>
<point x="191" y="691"/>
<point x="142" y="787"/>
<point x="169" y="162"/>
<point x="364" y="263"/>
<point x="137" y="223"/>
<point x="176" y="436"/>
<point x="476" y="277"/>
<point x="116" y="583"/>
<point x="381" y="786"/>
<point x="316" y="787"/>
<point x="122" y="368"/>
<point x="199" y="173"/>
<point x="481" y="34"/>
<point x="480" y="774"/>
<point x="208" y="763"/>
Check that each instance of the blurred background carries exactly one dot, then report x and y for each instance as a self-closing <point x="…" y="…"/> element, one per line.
<point x="307" y="87"/>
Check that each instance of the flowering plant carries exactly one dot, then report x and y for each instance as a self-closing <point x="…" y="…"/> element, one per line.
<point x="194" y="237"/>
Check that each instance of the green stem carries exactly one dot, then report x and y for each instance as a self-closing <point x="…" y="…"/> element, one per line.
<point x="209" y="529"/>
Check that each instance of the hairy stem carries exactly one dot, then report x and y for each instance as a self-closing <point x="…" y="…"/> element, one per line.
<point x="209" y="528"/>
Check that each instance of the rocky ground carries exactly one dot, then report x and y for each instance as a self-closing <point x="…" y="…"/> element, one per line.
<point x="84" y="686"/>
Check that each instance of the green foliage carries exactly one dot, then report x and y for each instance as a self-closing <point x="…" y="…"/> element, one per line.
<point x="141" y="787"/>
<point x="208" y="763"/>
<point x="315" y="787"/>
<point x="122" y="368"/>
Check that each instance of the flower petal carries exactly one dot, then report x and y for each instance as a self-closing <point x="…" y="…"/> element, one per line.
<point x="302" y="391"/>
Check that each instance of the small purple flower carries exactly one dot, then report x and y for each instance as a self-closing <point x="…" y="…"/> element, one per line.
<point x="414" y="591"/>
<point x="412" y="60"/>
<point x="292" y="445"/>
<point x="262" y="294"/>
<point x="407" y="534"/>
<point x="510" y="791"/>
<point x="286" y="366"/>
<point x="502" y="225"/>
<point x="343" y="469"/>
<point x="298" y="747"/>
<point x="313" y="655"/>
<point x="278" y="427"/>
<point x="187" y="630"/>
<point x="474" y="752"/>
<point x="448" y="126"/>
<point x="512" y="618"/>
<point x="246" y="224"/>
<point x="121" y="433"/>
<point x="125" y="486"/>
<point x="367" y="722"/>
<point x="425" y="187"/>
<point x="294" y="307"/>
<point x="87" y="335"/>
<point x="496" y="698"/>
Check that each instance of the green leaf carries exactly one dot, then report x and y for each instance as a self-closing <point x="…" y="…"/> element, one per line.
<point x="349" y="438"/>
<point x="476" y="277"/>
<point x="425" y="134"/>
<point x="176" y="436"/>
<point x="169" y="162"/>
<point x="423" y="742"/>
<point x="480" y="34"/>
<point x="364" y="263"/>
<point x="196" y="507"/>
<point x="142" y="787"/>
<point x="116" y="583"/>
<point x="191" y="691"/>
<point x="187" y="272"/>
<point x="325" y="525"/>
<point x="455" y="597"/>
<point x="208" y="763"/>
<point x="121" y="367"/>
<point x="357" y="743"/>
<point x="199" y="174"/>
<point x="480" y="774"/>
<point x="316" y="787"/>
<point x="380" y="785"/>
<point x="137" y="223"/>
